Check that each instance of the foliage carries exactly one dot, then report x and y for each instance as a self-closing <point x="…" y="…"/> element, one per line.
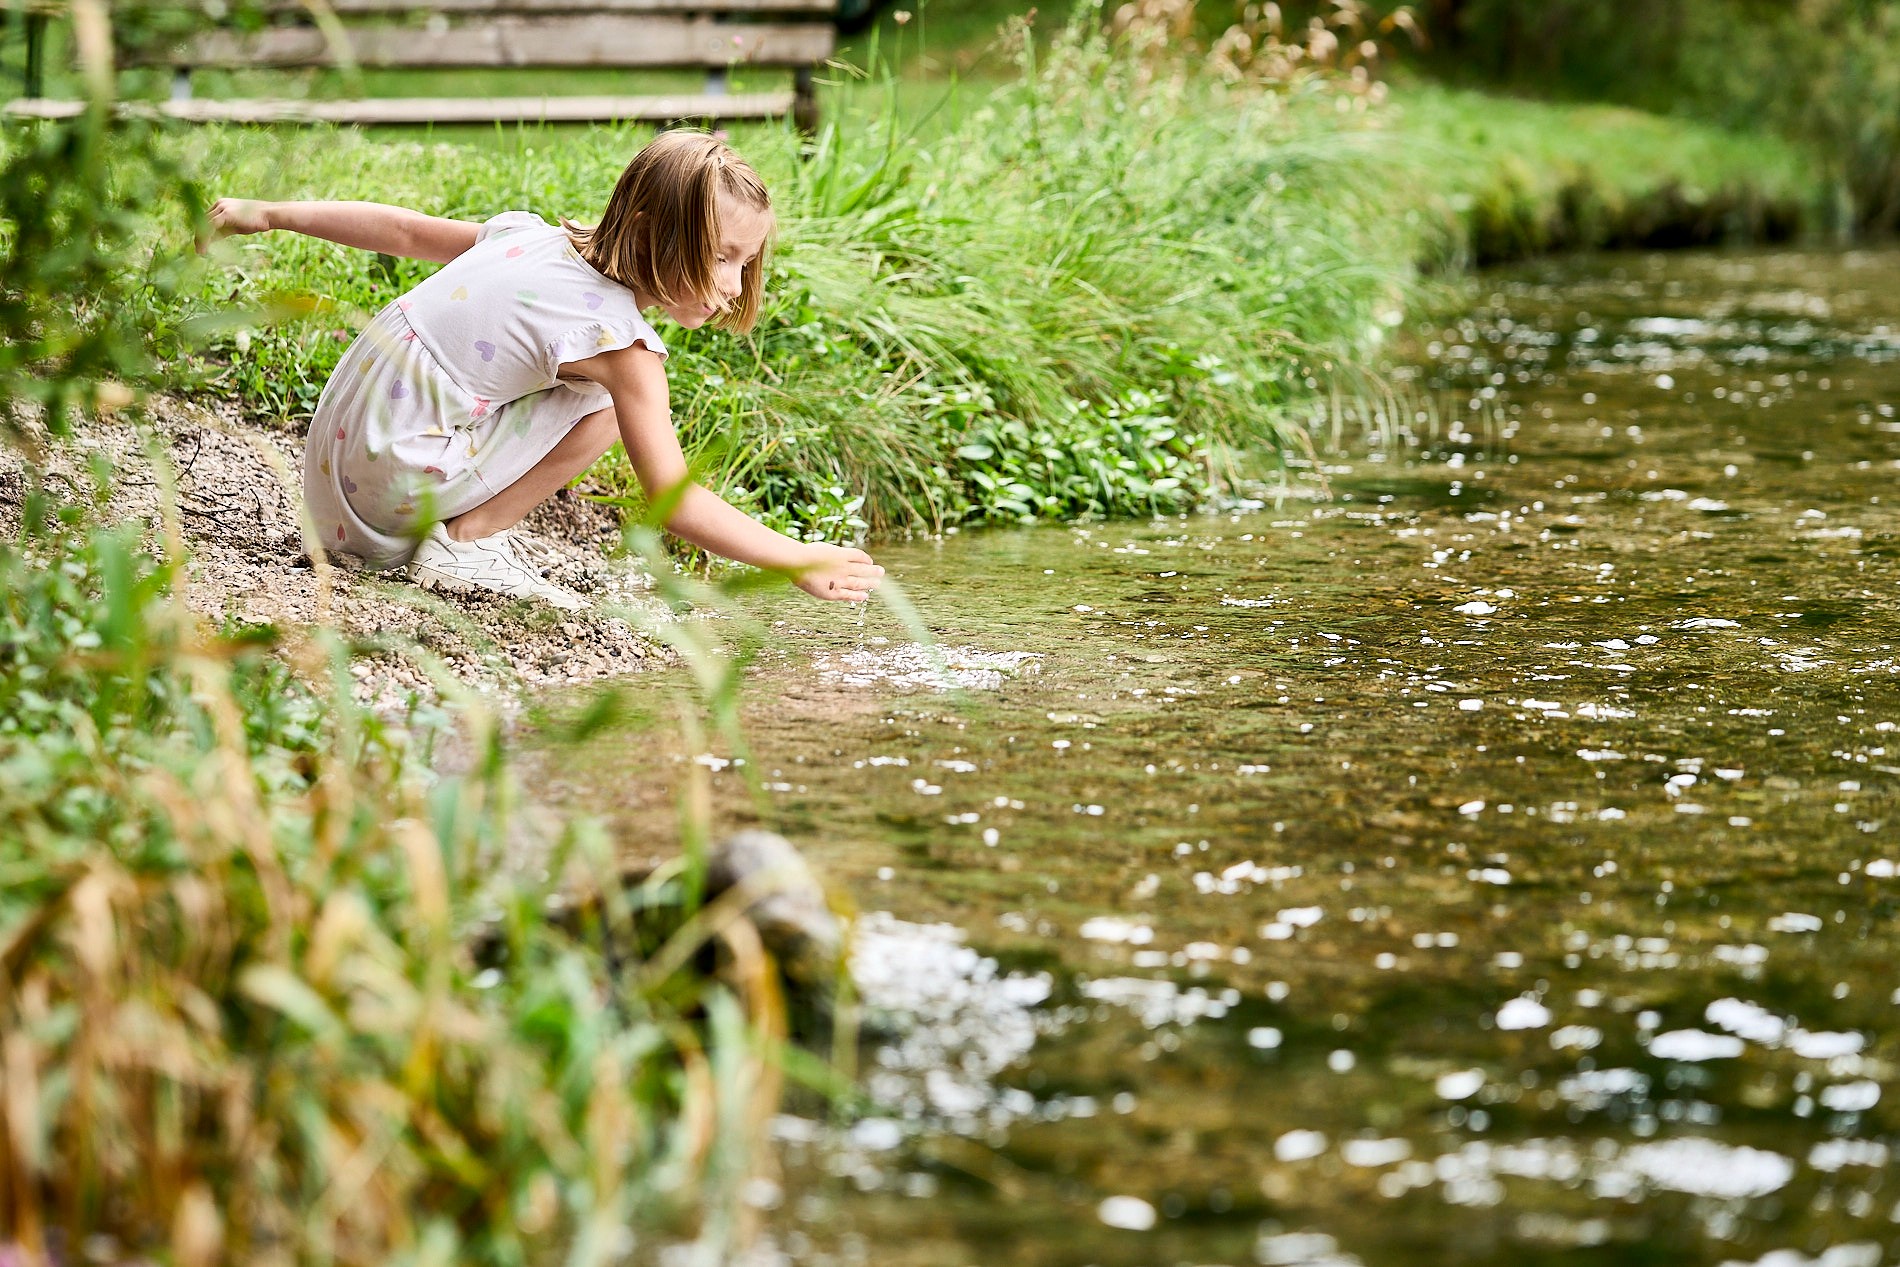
<point x="240" y="1018"/>
<point x="69" y="222"/>
<point x="1123" y="458"/>
<point x="1825" y="73"/>
<point x="81" y="276"/>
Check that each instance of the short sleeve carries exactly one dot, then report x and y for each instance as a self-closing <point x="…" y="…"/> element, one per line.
<point x="596" y="337"/>
<point x="509" y="222"/>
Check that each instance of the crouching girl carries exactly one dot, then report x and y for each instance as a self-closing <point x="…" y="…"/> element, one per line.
<point x="500" y="379"/>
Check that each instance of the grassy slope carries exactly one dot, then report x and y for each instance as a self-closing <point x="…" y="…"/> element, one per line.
<point x="1627" y="152"/>
<point x="1524" y="177"/>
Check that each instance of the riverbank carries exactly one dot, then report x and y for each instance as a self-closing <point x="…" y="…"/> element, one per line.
<point x="1523" y="178"/>
<point x="232" y="488"/>
<point x="1020" y="317"/>
<point x="1049" y="306"/>
<point x="922" y="364"/>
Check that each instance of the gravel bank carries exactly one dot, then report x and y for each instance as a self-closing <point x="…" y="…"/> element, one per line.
<point x="238" y="503"/>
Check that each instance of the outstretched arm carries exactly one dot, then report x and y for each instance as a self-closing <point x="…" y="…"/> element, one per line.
<point x="374" y="226"/>
<point x="637" y="381"/>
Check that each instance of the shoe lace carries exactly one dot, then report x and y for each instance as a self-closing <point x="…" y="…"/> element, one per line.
<point x="537" y="555"/>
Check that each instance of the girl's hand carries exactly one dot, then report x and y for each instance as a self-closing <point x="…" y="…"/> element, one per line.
<point x="230" y="216"/>
<point x="838" y="573"/>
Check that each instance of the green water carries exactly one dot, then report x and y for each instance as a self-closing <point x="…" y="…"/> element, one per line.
<point x="1492" y="864"/>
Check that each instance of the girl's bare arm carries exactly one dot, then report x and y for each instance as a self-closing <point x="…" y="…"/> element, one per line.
<point x="373" y="226"/>
<point x="637" y="381"/>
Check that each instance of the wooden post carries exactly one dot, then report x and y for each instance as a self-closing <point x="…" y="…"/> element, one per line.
<point x="35" y="55"/>
<point x="804" y="101"/>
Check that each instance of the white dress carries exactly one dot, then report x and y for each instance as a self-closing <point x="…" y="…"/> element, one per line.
<point x="454" y="391"/>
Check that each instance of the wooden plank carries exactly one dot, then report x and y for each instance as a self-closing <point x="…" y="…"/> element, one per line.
<point x="391" y="110"/>
<point x="396" y="8"/>
<point x="365" y="8"/>
<point x="555" y="40"/>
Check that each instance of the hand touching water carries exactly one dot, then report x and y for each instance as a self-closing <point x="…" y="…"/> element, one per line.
<point x="838" y="573"/>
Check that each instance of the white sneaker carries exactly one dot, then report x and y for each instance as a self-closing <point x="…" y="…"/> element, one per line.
<point x="491" y="563"/>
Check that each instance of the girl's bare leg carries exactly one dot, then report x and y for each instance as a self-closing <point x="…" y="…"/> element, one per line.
<point x="579" y="449"/>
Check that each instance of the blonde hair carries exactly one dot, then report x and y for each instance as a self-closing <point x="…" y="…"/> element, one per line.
<point x="660" y="232"/>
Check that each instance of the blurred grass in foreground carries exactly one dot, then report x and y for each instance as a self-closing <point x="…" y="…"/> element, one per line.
<point x="239" y="1016"/>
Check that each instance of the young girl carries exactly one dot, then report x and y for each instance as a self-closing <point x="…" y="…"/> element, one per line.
<point x="492" y="385"/>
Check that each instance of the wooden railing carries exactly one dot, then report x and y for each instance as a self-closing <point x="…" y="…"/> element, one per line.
<point x="713" y="36"/>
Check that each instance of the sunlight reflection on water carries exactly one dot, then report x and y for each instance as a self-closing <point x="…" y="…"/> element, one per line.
<point x="1490" y="865"/>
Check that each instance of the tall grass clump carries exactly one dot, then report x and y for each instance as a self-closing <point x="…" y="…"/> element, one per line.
<point x="1108" y="267"/>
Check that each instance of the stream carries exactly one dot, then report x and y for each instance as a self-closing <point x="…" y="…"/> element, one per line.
<point x="1493" y="862"/>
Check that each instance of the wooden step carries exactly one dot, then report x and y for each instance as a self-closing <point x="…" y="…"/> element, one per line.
<point x="545" y="40"/>
<point x="359" y="8"/>
<point x="393" y="110"/>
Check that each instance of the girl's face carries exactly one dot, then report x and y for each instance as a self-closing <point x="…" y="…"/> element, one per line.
<point x="742" y="231"/>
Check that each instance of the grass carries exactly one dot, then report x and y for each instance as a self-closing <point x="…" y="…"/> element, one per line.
<point x="1522" y="177"/>
<point x="241" y="1016"/>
